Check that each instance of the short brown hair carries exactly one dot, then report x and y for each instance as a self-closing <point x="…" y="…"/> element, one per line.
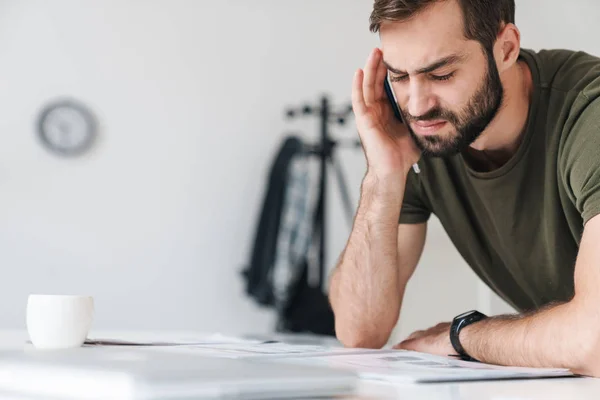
<point x="483" y="19"/>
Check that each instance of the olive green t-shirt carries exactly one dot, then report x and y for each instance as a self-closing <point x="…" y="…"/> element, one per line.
<point x="519" y="226"/>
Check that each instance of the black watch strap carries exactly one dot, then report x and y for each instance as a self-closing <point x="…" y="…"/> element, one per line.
<point x="457" y="325"/>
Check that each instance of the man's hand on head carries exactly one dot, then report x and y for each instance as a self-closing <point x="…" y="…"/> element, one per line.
<point x="434" y="340"/>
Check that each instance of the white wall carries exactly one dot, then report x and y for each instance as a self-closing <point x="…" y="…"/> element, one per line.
<point x="157" y="220"/>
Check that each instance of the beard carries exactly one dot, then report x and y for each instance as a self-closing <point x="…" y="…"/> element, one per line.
<point x="469" y="123"/>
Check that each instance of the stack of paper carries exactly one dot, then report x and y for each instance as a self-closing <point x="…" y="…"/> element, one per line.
<point x="267" y="350"/>
<point x="166" y="340"/>
<point x="386" y="364"/>
<point x="226" y="346"/>
<point x="403" y="366"/>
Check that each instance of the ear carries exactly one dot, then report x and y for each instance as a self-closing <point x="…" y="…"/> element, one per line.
<point x="507" y="47"/>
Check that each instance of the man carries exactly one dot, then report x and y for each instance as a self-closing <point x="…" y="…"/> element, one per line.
<point x="507" y="142"/>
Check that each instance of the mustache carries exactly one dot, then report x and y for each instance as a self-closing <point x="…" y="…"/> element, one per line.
<point x="433" y="114"/>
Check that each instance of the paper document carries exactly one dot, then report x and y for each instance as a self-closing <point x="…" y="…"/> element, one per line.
<point x="403" y="366"/>
<point x="166" y="340"/>
<point x="271" y="349"/>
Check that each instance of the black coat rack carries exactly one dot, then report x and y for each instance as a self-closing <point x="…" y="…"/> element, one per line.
<point x="325" y="149"/>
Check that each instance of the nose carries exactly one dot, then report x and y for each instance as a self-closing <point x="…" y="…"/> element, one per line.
<point x="420" y="99"/>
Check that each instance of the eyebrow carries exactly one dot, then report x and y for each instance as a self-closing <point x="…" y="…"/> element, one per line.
<point x="442" y="62"/>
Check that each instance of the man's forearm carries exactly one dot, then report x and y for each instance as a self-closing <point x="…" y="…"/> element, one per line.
<point x="557" y="336"/>
<point x="565" y="335"/>
<point x="365" y="290"/>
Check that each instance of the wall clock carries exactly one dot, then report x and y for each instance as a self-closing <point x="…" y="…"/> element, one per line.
<point x="66" y="127"/>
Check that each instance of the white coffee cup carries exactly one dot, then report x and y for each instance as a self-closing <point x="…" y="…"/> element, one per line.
<point x="59" y="321"/>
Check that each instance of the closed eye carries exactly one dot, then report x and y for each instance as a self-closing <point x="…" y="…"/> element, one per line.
<point x="402" y="78"/>
<point x="398" y="78"/>
<point x="442" y="77"/>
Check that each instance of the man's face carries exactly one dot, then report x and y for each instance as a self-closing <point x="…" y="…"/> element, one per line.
<point x="447" y="88"/>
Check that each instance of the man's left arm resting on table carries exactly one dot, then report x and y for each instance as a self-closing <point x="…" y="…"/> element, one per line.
<point x="565" y="335"/>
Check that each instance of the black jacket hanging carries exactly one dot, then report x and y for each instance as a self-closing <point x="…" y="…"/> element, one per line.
<point x="258" y="273"/>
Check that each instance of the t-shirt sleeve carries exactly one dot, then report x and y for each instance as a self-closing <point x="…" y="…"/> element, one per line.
<point x="581" y="161"/>
<point x="414" y="206"/>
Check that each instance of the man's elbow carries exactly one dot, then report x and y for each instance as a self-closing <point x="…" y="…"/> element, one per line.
<point x="361" y="341"/>
<point x="586" y="345"/>
<point x="353" y="337"/>
<point x="589" y="364"/>
<point x="589" y="367"/>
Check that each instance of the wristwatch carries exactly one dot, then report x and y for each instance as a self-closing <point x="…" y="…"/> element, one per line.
<point x="458" y="323"/>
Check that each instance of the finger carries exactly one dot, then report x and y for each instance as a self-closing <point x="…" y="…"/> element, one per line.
<point x="441" y="326"/>
<point x="380" y="78"/>
<point x="415" y="335"/>
<point x="358" y="100"/>
<point x="370" y="76"/>
<point x="411" y="345"/>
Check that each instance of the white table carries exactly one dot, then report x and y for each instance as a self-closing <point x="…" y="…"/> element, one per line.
<point x="542" y="389"/>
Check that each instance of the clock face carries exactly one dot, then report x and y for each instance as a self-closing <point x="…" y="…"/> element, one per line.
<point x="67" y="128"/>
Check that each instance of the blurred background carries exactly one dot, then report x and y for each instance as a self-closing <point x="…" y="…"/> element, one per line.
<point x="157" y="218"/>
